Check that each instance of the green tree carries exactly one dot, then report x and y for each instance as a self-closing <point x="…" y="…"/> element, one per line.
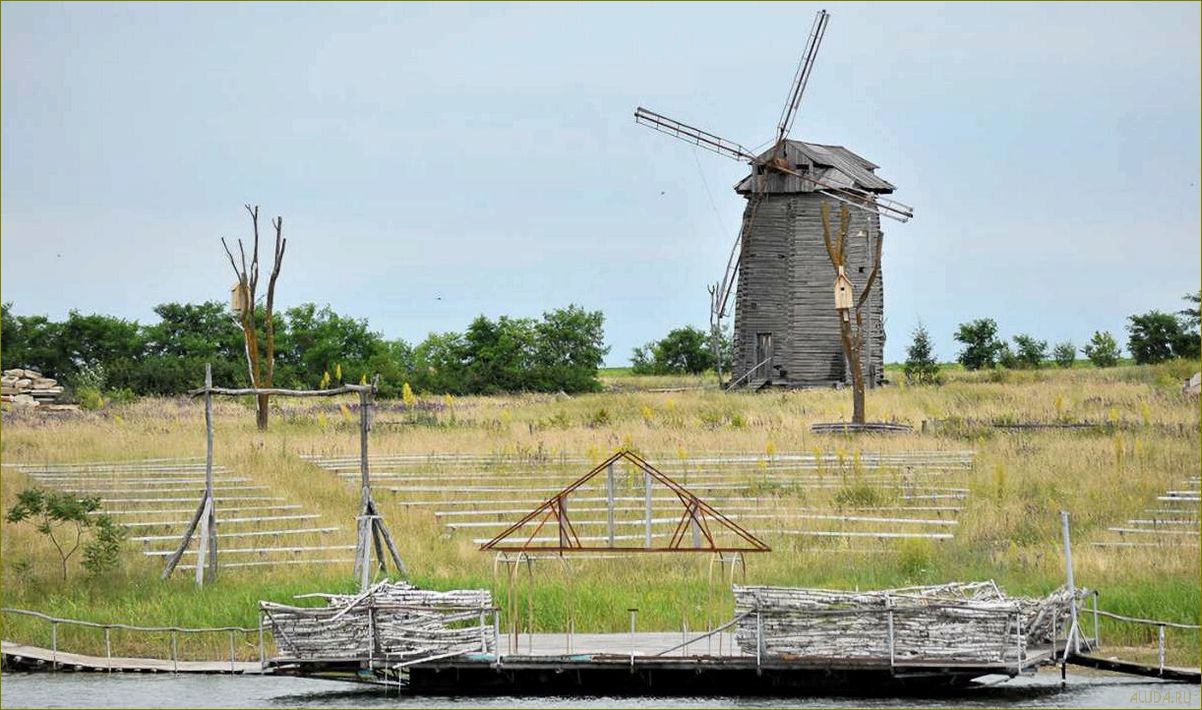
<point x="1191" y="316"/>
<point x="569" y="350"/>
<point x="921" y="366"/>
<point x="1029" y="352"/>
<point x="66" y="521"/>
<point x="1065" y="354"/>
<point x="1006" y="357"/>
<point x="311" y="341"/>
<point x="1102" y="349"/>
<point x="33" y="342"/>
<point x="439" y="364"/>
<point x="981" y="344"/>
<point x="499" y="355"/>
<point x="1152" y="337"/>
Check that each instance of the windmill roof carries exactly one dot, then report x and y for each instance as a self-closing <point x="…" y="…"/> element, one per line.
<point x="851" y="168"/>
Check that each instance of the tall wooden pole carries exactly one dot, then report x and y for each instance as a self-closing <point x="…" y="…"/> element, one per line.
<point x="212" y="562"/>
<point x="366" y="524"/>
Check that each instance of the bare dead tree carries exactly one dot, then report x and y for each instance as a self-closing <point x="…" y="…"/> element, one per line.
<point x="261" y="366"/>
<point x="852" y="337"/>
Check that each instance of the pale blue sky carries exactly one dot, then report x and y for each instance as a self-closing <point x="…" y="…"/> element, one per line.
<point x="435" y="162"/>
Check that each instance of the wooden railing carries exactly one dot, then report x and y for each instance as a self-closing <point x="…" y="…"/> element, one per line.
<point x="174" y="631"/>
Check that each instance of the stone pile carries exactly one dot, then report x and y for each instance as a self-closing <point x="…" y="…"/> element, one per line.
<point x="28" y="388"/>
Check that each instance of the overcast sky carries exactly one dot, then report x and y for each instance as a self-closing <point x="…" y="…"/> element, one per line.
<point x="433" y="163"/>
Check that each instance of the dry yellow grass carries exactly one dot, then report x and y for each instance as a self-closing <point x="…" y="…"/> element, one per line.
<point x="1008" y="531"/>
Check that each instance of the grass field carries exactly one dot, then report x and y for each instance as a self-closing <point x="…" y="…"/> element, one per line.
<point x="1008" y="529"/>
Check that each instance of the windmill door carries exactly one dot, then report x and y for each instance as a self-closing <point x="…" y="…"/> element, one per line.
<point x="763" y="356"/>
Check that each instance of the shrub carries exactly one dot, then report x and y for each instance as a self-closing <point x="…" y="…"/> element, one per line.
<point x="1030" y="352"/>
<point x="65" y="520"/>
<point x="921" y="367"/>
<point x="101" y="553"/>
<point x="1064" y="354"/>
<point x="981" y="345"/>
<point x="597" y="418"/>
<point x="89" y="398"/>
<point x="1102" y="350"/>
<point x="686" y="350"/>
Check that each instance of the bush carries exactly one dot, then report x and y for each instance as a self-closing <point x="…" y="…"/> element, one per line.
<point x="89" y="398"/>
<point x="921" y="367"/>
<point x="1064" y="354"/>
<point x="1030" y="352"/>
<point x="101" y="553"/>
<point x="1102" y="350"/>
<point x="981" y="345"/>
<point x="686" y="350"/>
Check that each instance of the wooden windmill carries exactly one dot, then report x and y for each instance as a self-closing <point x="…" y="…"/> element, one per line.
<point x="787" y="330"/>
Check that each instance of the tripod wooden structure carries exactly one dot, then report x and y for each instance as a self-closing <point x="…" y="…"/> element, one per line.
<point x="373" y="539"/>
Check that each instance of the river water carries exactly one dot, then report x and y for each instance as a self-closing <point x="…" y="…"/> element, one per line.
<point x="97" y="690"/>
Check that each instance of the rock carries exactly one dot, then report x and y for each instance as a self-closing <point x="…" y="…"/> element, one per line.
<point x="24" y="400"/>
<point x="1193" y="386"/>
<point x="42" y="383"/>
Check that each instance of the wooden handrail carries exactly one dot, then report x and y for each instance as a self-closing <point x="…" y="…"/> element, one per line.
<point x="128" y="627"/>
<point x="1149" y="622"/>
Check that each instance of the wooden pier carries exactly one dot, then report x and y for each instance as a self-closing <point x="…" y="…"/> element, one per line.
<point x="635" y="664"/>
<point x="32" y="658"/>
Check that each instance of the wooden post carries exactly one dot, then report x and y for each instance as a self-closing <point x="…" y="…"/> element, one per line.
<point x="1097" y="630"/>
<point x="694" y="525"/>
<point x="203" y="544"/>
<point x="609" y="502"/>
<point x="262" y="654"/>
<point x="53" y="645"/>
<point x="889" y="632"/>
<point x="496" y="633"/>
<point x="647" y="507"/>
<point x="232" y="653"/>
<point x="634" y="613"/>
<point x="759" y="641"/>
<point x="174" y="652"/>
<point x="108" y="651"/>
<point x="1068" y="569"/>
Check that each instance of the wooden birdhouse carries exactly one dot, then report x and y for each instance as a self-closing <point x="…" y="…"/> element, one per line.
<point x="843" y="291"/>
<point x="239" y="297"/>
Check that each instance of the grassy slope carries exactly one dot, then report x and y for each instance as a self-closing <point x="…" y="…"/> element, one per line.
<point x="1009" y="531"/>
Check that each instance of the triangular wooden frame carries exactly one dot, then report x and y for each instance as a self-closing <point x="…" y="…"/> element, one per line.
<point x="698" y="516"/>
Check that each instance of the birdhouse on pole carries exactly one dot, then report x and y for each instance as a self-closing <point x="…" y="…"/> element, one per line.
<point x="843" y="291"/>
<point x="239" y="297"/>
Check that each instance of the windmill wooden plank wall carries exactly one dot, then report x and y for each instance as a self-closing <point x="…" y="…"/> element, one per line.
<point x="785" y="289"/>
<point x="785" y="285"/>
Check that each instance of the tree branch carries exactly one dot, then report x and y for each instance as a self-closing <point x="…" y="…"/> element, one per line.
<point x="826" y="236"/>
<point x="233" y="264"/>
<point x="876" y="269"/>
<point x="844" y="223"/>
<point x="280" y="245"/>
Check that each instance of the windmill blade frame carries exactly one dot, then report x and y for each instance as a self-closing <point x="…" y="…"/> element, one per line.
<point x="806" y="65"/>
<point x="691" y="134"/>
